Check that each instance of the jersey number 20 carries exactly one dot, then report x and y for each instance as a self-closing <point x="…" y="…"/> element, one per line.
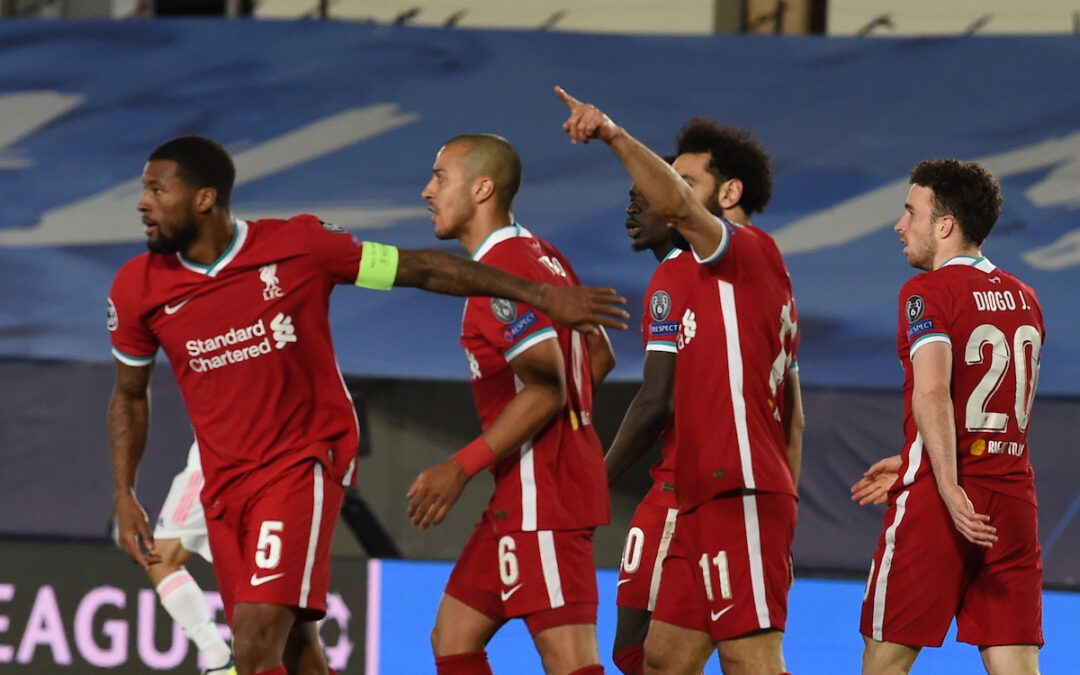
<point x="1026" y="370"/>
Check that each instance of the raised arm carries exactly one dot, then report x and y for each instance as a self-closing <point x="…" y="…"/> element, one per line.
<point x="932" y="405"/>
<point x="128" y="420"/>
<point x="541" y="371"/>
<point x="580" y="307"/>
<point x="650" y="410"/>
<point x="669" y="196"/>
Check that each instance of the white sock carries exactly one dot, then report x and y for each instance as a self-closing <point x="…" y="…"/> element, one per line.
<point x="184" y="601"/>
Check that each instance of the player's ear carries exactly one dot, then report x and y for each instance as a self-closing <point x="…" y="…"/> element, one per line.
<point x="729" y="194"/>
<point x="205" y="199"/>
<point x="947" y="226"/>
<point x="483" y="189"/>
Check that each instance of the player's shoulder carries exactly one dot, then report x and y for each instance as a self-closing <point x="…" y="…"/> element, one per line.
<point x="296" y="234"/>
<point x="306" y="223"/>
<point x="923" y="282"/>
<point x="753" y="233"/>
<point x="1018" y="282"/>
<point x="139" y="271"/>
<point x="300" y="223"/>
<point x="512" y="247"/>
<point x="136" y="266"/>
<point x="675" y="266"/>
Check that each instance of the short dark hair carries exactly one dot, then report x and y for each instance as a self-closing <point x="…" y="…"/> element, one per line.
<point x="964" y="190"/>
<point x="201" y="162"/>
<point x="735" y="153"/>
<point x="493" y="156"/>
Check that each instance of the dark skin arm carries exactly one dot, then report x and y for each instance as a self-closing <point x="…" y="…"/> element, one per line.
<point x="794" y="424"/>
<point x="669" y="196"/>
<point x="543" y="395"/>
<point x="128" y="420"/>
<point x="601" y="357"/>
<point x="580" y="307"/>
<point x="650" y="410"/>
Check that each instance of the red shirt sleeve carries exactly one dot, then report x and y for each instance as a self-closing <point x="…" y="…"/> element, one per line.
<point x="132" y="341"/>
<point x="337" y="251"/>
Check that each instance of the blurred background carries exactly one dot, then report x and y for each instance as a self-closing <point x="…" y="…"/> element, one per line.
<point x="337" y="107"/>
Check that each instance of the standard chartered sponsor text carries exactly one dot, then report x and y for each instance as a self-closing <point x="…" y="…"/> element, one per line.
<point x="234" y="337"/>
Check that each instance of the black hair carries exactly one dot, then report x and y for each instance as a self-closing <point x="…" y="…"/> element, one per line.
<point x="201" y="162"/>
<point x="734" y="153"/>
<point x="964" y="190"/>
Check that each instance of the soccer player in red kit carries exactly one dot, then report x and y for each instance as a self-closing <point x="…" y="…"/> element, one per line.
<point x="648" y="418"/>
<point x="960" y="537"/>
<point x="240" y="310"/>
<point x="531" y="554"/>
<point x="738" y="416"/>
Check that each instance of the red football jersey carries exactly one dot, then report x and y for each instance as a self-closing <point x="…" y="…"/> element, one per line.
<point x="249" y="341"/>
<point x="737" y="340"/>
<point x="994" y="324"/>
<point x="663" y="306"/>
<point x="556" y="480"/>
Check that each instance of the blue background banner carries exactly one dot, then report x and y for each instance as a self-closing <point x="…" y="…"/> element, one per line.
<point x="822" y="630"/>
<point x="345" y="120"/>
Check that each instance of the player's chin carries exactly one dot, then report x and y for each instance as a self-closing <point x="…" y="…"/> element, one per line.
<point x="442" y="231"/>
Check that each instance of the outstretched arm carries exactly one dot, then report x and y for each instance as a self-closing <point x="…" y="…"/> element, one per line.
<point x="650" y="410"/>
<point x="128" y="420"/>
<point x="668" y="194"/>
<point x="580" y="307"/>
<point x="543" y="394"/>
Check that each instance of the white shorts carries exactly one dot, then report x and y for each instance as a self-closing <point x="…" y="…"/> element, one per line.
<point x="182" y="514"/>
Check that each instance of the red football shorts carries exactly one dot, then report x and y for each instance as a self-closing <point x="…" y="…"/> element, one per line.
<point x="647" y="541"/>
<point x="274" y="547"/>
<point x="924" y="573"/>
<point x="728" y="570"/>
<point x="546" y="577"/>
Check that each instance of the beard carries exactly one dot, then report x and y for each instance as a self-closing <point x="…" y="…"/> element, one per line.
<point x="639" y="245"/>
<point x="924" y="258"/>
<point x="712" y="205"/>
<point x="176" y="242"/>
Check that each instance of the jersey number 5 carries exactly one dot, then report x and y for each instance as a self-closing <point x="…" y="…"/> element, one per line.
<point x="1024" y="357"/>
<point x="268" y="548"/>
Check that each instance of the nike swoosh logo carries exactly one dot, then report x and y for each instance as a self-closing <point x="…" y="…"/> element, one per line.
<point x="717" y="615"/>
<point x="621" y="582"/>
<point x="506" y="594"/>
<point x="259" y="581"/>
<point x="173" y="309"/>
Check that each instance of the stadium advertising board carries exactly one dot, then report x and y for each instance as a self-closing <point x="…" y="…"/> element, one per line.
<point x="83" y="607"/>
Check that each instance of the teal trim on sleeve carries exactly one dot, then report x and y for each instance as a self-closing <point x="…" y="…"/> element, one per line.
<point x="524" y="345"/>
<point x="378" y="266"/>
<point x="129" y="360"/>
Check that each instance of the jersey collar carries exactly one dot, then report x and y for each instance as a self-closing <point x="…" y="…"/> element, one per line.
<point x="511" y="231"/>
<point x="673" y="253"/>
<point x="240" y="233"/>
<point x="981" y="263"/>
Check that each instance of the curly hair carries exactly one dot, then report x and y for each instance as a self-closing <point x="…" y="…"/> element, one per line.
<point x="735" y="153"/>
<point x="964" y="190"/>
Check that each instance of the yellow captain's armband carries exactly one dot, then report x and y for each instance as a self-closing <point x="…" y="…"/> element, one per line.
<point x="378" y="266"/>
